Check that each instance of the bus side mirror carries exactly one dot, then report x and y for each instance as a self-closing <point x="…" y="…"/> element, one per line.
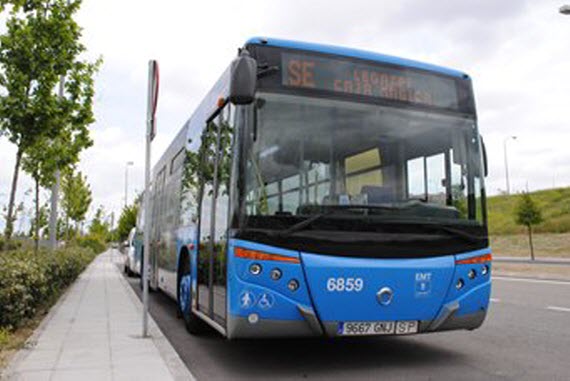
<point x="243" y="79"/>
<point x="485" y="165"/>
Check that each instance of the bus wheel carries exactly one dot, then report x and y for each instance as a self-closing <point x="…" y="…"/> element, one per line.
<point x="192" y="322"/>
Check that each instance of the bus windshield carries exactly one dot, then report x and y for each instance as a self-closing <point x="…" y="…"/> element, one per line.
<point x="312" y="156"/>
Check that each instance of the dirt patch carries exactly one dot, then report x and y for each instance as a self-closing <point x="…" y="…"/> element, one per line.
<point x="545" y="245"/>
<point x="540" y="271"/>
<point x="12" y="341"/>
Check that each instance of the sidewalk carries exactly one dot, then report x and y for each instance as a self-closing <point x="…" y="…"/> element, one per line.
<point x="94" y="333"/>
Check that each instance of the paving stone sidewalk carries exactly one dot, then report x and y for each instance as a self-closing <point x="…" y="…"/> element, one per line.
<point x="94" y="333"/>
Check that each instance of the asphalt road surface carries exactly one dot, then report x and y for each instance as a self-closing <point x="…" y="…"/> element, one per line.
<point x="526" y="337"/>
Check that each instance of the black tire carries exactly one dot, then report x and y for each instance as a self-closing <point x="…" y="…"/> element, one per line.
<point x="194" y="325"/>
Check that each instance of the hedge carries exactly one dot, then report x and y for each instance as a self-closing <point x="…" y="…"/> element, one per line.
<point x="10" y="245"/>
<point x="30" y="281"/>
<point x="92" y="242"/>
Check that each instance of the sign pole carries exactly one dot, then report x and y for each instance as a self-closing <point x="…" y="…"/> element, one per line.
<point x="150" y="133"/>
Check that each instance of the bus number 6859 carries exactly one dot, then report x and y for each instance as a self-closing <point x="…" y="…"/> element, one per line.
<point x="345" y="284"/>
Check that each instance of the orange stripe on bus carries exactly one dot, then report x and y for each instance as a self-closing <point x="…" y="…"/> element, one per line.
<point x="259" y="256"/>
<point x="478" y="259"/>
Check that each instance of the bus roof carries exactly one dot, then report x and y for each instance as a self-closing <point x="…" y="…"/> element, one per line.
<point x="355" y="53"/>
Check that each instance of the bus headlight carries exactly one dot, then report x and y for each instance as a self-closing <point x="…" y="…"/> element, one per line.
<point x="471" y="274"/>
<point x="485" y="270"/>
<point x="255" y="269"/>
<point x="293" y="285"/>
<point x="276" y="274"/>
<point x="459" y="284"/>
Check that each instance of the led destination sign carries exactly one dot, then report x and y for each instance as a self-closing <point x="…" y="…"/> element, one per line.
<point x="385" y="82"/>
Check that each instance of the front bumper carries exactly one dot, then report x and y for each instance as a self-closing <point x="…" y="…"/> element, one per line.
<point x="240" y="327"/>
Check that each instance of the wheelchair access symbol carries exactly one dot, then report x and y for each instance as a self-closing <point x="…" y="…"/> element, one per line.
<point x="247" y="299"/>
<point x="266" y="301"/>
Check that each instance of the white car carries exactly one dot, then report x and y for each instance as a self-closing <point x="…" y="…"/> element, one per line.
<point x="132" y="266"/>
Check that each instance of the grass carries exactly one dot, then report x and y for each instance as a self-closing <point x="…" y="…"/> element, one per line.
<point x="554" y="204"/>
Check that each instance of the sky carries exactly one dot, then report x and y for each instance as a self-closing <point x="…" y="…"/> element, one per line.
<point x="516" y="51"/>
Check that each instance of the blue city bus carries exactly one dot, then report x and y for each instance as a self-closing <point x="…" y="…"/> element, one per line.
<point x="325" y="191"/>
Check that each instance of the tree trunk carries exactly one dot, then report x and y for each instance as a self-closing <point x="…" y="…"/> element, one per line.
<point x="530" y="242"/>
<point x="37" y="227"/>
<point x="10" y="216"/>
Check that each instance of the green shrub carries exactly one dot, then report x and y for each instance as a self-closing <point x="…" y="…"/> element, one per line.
<point x="4" y="337"/>
<point x="92" y="242"/>
<point x="9" y="245"/>
<point x="30" y="281"/>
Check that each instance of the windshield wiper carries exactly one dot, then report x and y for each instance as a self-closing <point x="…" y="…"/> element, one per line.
<point x="333" y="208"/>
<point x="459" y="233"/>
<point x="302" y="225"/>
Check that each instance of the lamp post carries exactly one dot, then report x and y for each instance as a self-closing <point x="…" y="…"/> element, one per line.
<point x="128" y="164"/>
<point x="507" y="161"/>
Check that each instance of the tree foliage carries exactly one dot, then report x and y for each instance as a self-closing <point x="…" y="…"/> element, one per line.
<point x="528" y="213"/>
<point x="99" y="228"/>
<point x="41" y="44"/>
<point x="76" y="196"/>
<point x="42" y="221"/>
<point x="127" y="221"/>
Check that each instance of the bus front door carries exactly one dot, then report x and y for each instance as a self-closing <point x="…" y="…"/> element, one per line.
<point x="214" y="219"/>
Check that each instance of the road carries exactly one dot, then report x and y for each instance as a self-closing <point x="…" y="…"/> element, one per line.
<point x="526" y="337"/>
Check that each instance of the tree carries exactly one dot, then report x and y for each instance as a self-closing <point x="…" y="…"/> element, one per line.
<point x="76" y="197"/>
<point x="40" y="46"/>
<point x="39" y="223"/>
<point x="528" y="214"/>
<point x="99" y="228"/>
<point x="19" y="209"/>
<point x="127" y="221"/>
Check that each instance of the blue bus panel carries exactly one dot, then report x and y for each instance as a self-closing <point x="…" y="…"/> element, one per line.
<point x="439" y="293"/>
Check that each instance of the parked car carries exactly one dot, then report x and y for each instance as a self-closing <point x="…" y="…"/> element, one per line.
<point x="132" y="265"/>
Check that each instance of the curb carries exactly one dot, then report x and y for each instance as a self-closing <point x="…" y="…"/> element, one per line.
<point x="555" y="262"/>
<point x="515" y="277"/>
<point x="173" y="362"/>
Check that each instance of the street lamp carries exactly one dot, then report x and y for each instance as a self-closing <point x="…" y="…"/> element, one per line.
<point x="565" y="9"/>
<point x="507" y="162"/>
<point x="128" y="164"/>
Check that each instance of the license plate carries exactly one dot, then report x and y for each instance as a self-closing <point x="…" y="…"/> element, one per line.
<point x="363" y="328"/>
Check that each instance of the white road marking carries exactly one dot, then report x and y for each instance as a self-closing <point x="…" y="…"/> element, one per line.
<point x="528" y="280"/>
<point x="494" y="300"/>
<point x="560" y="309"/>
